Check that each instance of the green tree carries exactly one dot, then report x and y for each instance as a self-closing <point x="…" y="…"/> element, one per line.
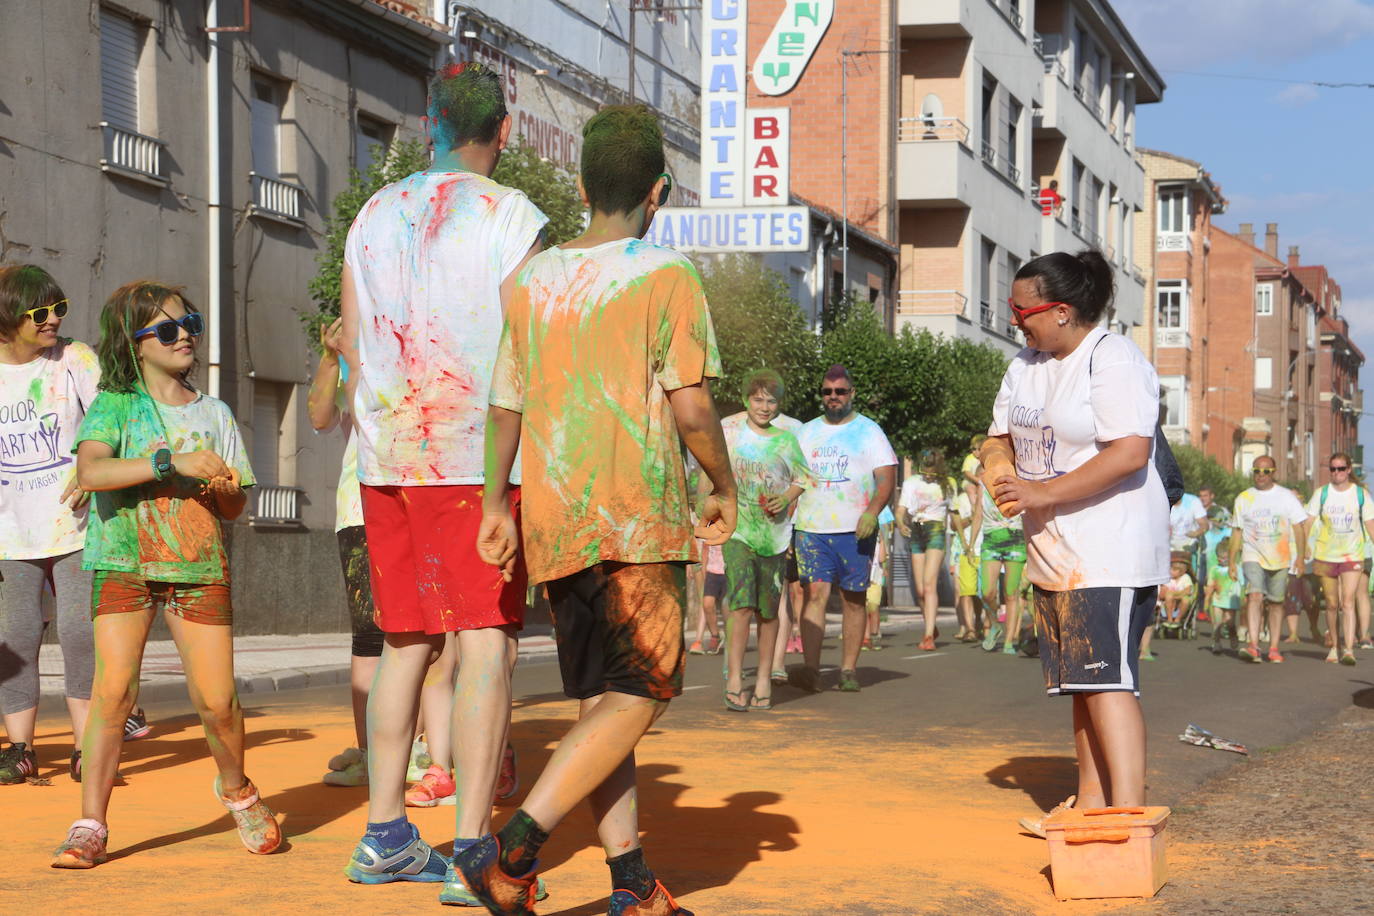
<point x="1202" y="470"/>
<point x="552" y="188"/>
<point x="758" y="326"/>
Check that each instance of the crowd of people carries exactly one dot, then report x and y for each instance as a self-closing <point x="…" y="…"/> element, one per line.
<point x="522" y="416"/>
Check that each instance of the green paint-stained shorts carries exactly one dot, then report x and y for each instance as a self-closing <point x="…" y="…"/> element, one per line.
<point x="357" y="572"/>
<point x="126" y="593"/>
<point x="1004" y="545"/>
<point x="752" y="581"/>
<point x="927" y="535"/>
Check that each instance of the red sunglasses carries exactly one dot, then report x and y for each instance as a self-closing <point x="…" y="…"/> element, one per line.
<point x="1022" y="314"/>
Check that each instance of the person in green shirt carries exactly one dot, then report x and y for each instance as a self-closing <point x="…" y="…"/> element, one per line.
<point x="770" y="472"/>
<point x="166" y="465"/>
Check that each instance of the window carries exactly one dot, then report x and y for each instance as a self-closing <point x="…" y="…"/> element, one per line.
<point x="121" y="40"/>
<point x="1311" y="328"/>
<point x="1077" y="194"/>
<point x="1092" y="212"/>
<point x="370" y="142"/>
<point x="987" y="272"/>
<point x="989" y="109"/>
<point x="1172" y="203"/>
<point x="265" y="113"/>
<point x="1264" y="372"/>
<point x="1173" y="390"/>
<point x="269" y="414"/>
<point x="1264" y="299"/>
<point x="1171" y="306"/>
<point x="1012" y="142"/>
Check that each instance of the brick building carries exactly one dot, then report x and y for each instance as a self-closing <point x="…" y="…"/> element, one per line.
<point x="1173" y="242"/>
<point x="998" y="100"/>
<point x="1340" y="400"/>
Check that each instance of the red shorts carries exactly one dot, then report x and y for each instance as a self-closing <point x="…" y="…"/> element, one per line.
<point x="426" y="573"/>
<point x="128" y="593"/>
<point x="1329" y="570"/>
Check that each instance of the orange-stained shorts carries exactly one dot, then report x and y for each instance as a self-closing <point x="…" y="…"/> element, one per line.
<point x="127" y="593"/>
<point x="427" y="576"/>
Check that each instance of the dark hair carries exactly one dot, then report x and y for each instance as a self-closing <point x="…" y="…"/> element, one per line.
<point x="763" y="380"/>
<point x="934" y="459"/>
<point x="1083" y="281"/>
<point x="466" y="105"/>
<point x="129" y="308"/>
<point x="622" y="157"/>
<point x="837" y="371"/>
<point x="24" y="287"/>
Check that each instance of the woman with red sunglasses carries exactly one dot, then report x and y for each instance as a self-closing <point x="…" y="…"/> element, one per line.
<point x="1070" y="449"/>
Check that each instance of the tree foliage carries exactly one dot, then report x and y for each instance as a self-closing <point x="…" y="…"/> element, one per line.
<point x="552" y="188"/>
<point x="1201" y="470"/>
<point x="923" y="390"/>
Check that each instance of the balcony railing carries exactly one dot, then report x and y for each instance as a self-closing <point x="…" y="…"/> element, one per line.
<point x="277" y="506"/>
<point x="1174" y="241"/>
<point x="932" y="302"/>
<point x="1090" y="100"/>
<point x="991" y="321"/>
<point x="277" y="199"/>
<point x="1110" y="251"/>
<point x="998" y="163"/>
<point x="1173" y="337"/>
<point x="132" y="153"/>
<point x="1008" y="9"/>
<point x="910" y="130"/>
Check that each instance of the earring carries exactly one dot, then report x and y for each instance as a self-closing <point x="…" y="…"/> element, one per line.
<point x="1062" y="322"/>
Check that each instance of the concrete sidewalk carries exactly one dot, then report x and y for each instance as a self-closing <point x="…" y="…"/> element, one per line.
<point x="264" y="664"/>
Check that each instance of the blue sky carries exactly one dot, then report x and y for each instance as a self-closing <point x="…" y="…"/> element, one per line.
<point x="1282" y="150"/>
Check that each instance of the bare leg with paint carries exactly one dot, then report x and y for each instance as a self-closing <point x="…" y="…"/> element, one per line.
<point x="763" y="685"/>
<point x="207" y="654"/>
<point x="481" y="722"/>
<point x="737" y="646"/>
<point x="1117" y="725"/>
<point x="119" y="642"/>
<point x="362" y="670"/>
<point x="391" y="710"/>
<point x="813" y="623"/>
<point x="436" y="701"/>
<point x="930" y="592"/>
<point x="851" y="629"/>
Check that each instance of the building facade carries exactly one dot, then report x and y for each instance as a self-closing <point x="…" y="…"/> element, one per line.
<point x="1340" y="400"/>
<point x="1016" y="137"/>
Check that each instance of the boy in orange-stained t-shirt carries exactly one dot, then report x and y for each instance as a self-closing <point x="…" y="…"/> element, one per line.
<point x="601" y="377"/>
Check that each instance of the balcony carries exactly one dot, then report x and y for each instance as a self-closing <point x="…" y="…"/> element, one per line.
<point x="1010" y="11"/>
<point x="934" y="163"/>
<point x="1174" y="241"/>
<point x="276" y="507"/>
<point x="132" y="155"/>
<point x="997" y="324"/>
<point x="934" y="19"/>
<point x="1173" y="337"/>
<point x="1091" y="101"/>
<point x="277" y="200"/>
<point x="1000" y="164"/>
<point x="932" y="302"/>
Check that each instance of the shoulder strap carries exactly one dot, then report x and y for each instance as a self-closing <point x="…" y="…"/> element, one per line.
<point x="1321" y="506"/>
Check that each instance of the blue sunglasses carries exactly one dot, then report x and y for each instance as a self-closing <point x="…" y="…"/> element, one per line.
<point x="168" y="331"/>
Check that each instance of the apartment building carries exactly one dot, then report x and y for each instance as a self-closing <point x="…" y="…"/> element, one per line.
<point x="1016" y="137"/>
<point x="1264" y="356"/>
<point x="1340" y="400"/>
<point x="1173" y="248"/>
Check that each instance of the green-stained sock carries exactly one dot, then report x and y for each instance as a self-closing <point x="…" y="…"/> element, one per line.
<point x="520" y="841"/>
<point x="628" y="872"/>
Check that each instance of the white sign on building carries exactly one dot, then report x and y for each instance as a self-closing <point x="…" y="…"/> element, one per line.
<point x="721" y="229"/>
<point x="767" y="155"/>
<point x="789" y="47"/>
<point x="723" y="74"/>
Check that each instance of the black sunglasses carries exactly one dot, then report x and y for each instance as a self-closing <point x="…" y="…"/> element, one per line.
<point x="40" y="314"/>
<point x="839" y="391"/>
<point x="168" y="331"/>
<point x="1339" y="467"/>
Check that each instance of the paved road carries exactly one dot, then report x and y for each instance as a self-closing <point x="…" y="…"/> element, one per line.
<point x="901" y="799"/>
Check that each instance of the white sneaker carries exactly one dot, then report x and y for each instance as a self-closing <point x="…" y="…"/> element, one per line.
<point x="1333" y="656"/>
<point x="1037" y="825"/>
<point x="355" y="774"/>
<point x="420" y="761"/>
<point x="343" y="759"/>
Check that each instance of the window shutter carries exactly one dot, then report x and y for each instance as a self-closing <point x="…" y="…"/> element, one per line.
<point x="119" y="47"/>
<point x="266" y="431"/>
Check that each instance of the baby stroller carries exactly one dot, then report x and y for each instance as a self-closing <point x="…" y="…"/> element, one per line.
<point x="1185" y="627"/>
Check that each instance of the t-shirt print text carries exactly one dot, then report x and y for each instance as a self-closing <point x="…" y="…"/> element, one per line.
<point x="1034" y="443"/>
<point x="829" y="464"/>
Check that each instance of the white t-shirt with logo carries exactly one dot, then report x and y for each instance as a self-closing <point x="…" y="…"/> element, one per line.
<point x="924" y="500"/>
<point x="428" y="254"/>
<point x="1338" y="533"/>
<point x="1183" y="519"/>
<point x="42" y="403"/>
<point x="842" y="458"/>
<point x="1266" y="519"/>
<point x="1059" y="417"/>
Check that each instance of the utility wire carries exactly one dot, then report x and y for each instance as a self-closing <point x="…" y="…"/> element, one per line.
<point x="1272" y="79"/>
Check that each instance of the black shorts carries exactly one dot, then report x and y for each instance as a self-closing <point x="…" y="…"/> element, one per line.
<point x="715" y="587"/>
<point x="1090" y="638"/>
<point x="619" y="627"/>
<point x="362" y="613"/>
<point x="790" y="572"/>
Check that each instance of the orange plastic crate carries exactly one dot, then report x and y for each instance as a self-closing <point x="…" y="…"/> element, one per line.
<point x="1107" y="852"/>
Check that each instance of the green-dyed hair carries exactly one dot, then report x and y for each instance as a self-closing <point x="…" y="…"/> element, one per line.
<point x="129" y="308"/>
<point x="466" y="105"/>
<point x="24" y="287"/>
<point x="622" y="157"/>
<point x="763" y="380"/>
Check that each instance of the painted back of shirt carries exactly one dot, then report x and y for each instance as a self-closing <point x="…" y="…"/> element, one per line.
<point x="1060" y="413"/>
<point x="165" y="531"/>
<point x="842" y="458"/>
<point x="1338" y="532"/>
<point x="42" y="403"/>
<point x="428" y="254"/>
<point x="595" y="339"/>
<point x="1266" y="519"/>
<point x="764" y="466"/>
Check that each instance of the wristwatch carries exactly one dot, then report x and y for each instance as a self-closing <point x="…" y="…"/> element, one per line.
<point x="162" y="463"/>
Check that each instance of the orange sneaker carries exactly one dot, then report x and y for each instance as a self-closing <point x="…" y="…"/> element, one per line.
<point x="1275" y="655"/>
<point x="508" y="781"/>
<point x="257" y="825"/>
<point x="660" y="903"/>
<point x="928" y="644"/>
<point x="433" y="788"/>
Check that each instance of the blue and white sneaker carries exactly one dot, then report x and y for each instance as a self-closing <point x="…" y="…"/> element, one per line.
<point x="455" y="893"/>
<point x="416" y="861"/>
